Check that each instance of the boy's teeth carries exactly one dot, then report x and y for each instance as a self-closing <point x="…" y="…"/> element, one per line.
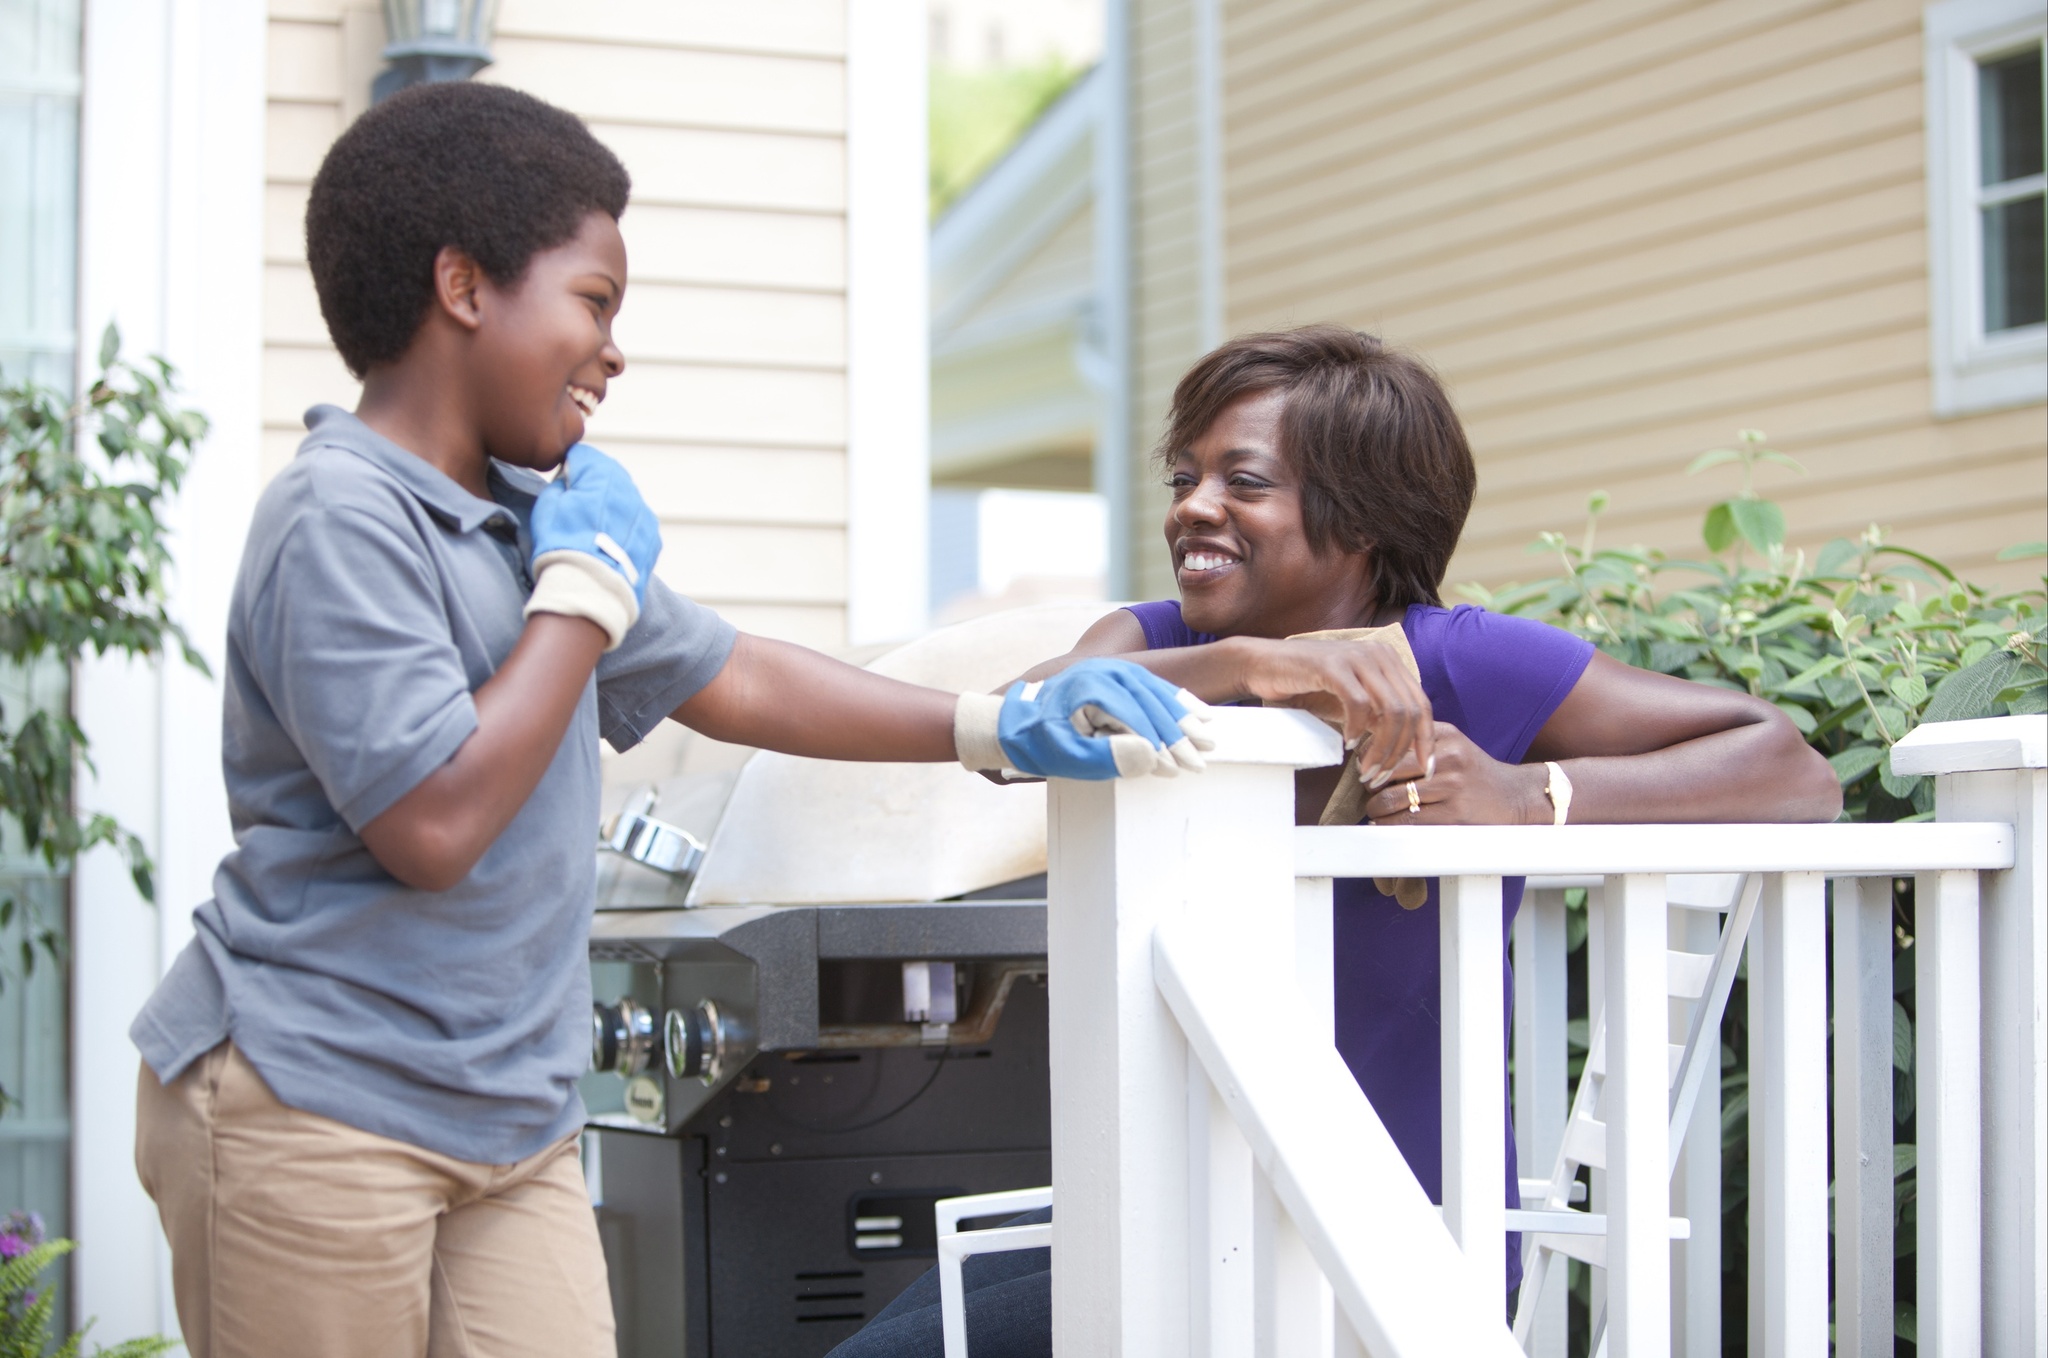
<point x="586" y="401"/>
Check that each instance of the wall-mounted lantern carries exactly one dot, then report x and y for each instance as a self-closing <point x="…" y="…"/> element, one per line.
<point x="430" y="40"/>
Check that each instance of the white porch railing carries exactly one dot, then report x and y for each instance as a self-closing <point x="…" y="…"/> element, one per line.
<point x="1223" y="1188"/>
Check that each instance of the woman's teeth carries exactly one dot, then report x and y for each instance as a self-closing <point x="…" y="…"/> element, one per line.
<point x="585" y="399"/>
<point x="1206" y="561"/>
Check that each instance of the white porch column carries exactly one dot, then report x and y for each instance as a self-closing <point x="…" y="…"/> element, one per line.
<point x="1125" y="857"/>
<point x="1992" y="770"/>
<point x="170" y="236"/>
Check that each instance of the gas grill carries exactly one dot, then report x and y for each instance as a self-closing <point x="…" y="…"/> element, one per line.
<point x="821" y="1007"/>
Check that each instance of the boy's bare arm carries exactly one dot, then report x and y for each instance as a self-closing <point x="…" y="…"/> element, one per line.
<point x="778" y="696"/>
<point x="432" y="836"/>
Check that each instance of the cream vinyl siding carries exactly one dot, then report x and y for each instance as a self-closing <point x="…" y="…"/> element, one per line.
<point x="1165" y="259"/>
<point x="732" y="412"/>
<point x="1622" y="230"/>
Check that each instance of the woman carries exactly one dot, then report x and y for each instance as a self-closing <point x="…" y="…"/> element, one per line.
<point x="1319" y="481"/>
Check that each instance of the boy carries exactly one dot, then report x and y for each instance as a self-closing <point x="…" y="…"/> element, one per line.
<point x="357" y="1111"/>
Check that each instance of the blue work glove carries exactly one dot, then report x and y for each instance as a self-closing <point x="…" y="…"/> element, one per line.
<point x="1094" y="720"/>
<point x="595" y="543"/>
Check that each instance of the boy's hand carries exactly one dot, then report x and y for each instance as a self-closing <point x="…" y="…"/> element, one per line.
<point x="1095" y="720"/>
<point x="595" y="543"/>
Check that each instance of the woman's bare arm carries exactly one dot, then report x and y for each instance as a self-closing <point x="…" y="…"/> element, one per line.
<point x="1639" y="748"/>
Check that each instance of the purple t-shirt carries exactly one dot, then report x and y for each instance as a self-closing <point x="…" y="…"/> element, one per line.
<point x="1497" y="679"/>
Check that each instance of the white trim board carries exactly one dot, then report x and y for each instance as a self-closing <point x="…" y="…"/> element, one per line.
<point x="1971" y="372"/>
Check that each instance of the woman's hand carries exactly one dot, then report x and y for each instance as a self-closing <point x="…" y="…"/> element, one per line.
<point x="1467" y="787"/>
<point x="1360" y="687"/>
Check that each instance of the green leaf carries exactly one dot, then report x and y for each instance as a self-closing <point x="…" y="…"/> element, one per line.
<point x="1970" y="692"/>
<point x="1856" y="761"/>
<point x="1902" y="1039"/>
<point x="1760" y="522"/>
<point x="2028" y="702"/>
<point x="110" y="345"/>
<point x="1773" y="455"/>
<point x="1909" y="689"/>
<point x="1900" y="785"/>
<point x="1713" y="458"/>
<point x="2020" y="551"/>
<point x="1905" y="1155"/>
<point x="1719" y="530"/>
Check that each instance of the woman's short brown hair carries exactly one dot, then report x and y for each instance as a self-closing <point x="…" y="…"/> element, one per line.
<point x="1370" y="430"/>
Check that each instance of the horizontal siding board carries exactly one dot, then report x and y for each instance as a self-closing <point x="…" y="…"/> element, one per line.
<point x="755" y="564"/>
<point x="291" y="311"/>
<point x="692" y="167"/>
<point x="1792" y="338"/>
<point x="296" y="378"/>
<point x="822" y="627"/>
<point x="668" y="322"/>
<point x="1881" y="229"/>
<point x="708" y="484"/>
<point x="296" y="137"/>
<point x="1484" y="203"/>
<point x="1484" y="255"/>
<point x="814" y="28"/>
<point x="284" y="223"/>
<point x="625" y="82"/>
<point x="302" y="62"/>
<point x="734" y="248"/>
<point x="732" y="405"/>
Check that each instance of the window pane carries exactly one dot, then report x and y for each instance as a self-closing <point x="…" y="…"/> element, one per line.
<point x="2013" y="282"/>
<point x="2009" y="116"/>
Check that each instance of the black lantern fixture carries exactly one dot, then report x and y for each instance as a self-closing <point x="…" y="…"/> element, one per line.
<point x="430" y="40"/>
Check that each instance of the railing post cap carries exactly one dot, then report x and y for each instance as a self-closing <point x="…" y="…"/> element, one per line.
<point x="1272" y="735"/>
<point x="1973" y="746"/>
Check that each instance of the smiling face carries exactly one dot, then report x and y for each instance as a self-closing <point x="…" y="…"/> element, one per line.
<point x="543" y="352"/>
<point x="1234" y="528"/>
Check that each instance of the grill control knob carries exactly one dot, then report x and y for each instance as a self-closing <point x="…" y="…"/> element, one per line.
<point x="697" y="1042"/>
<point x="622" y="1036"/>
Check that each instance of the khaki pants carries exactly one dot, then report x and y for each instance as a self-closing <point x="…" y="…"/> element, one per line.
<point x="294" y="1234"/>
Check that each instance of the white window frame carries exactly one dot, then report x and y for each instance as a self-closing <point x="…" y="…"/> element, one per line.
<point x="1972" y="371"/>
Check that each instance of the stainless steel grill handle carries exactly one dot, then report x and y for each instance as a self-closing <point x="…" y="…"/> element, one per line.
<point x="661" y="846"/>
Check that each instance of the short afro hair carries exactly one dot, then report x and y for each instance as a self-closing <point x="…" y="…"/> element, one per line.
<point x="496" y="173"/>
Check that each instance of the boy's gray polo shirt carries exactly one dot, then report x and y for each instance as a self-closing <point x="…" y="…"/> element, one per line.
<point x="375" y="596"/>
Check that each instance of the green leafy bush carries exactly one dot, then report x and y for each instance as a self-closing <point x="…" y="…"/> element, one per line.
<point x="1856" y="647"/>
<point x="28" y="1304"/>
<point x="82" y="562"/>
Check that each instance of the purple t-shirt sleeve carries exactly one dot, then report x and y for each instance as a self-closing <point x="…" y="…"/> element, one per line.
<point x="1496" y="678"/>
<point x="1163" y="626"/>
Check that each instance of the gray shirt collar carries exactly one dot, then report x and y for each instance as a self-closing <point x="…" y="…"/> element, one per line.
<point x="331" y="426"/>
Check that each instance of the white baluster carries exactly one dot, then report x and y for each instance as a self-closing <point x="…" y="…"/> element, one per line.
<point x="1792" y="1128"/>
<point x="1696" y="1191"/>
<point x="1221" y="1245"/>
<point x="1946" y="1113"/>
<point x="1863" y="1117"/>
<point x="1636" y="1104"/>
<point x="1292" y="1303"/>
<point x="1542" y="1080"/>
<point x="1474" y="1110"/>
<point x="1992" y="770"/>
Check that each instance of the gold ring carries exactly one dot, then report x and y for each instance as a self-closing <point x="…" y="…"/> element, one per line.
<point x="1414" y="800"/>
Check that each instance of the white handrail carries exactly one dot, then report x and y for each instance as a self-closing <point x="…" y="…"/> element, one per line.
<point x="1614" y="850"/>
